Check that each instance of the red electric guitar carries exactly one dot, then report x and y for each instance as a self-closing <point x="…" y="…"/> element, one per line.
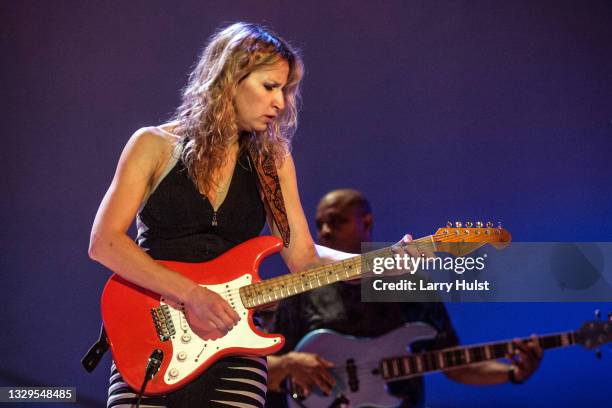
<point x="138" y="321"/>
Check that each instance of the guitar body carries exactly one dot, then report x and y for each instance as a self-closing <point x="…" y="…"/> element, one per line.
<point x="138" y="321"/>
<point x="355" y="360"/>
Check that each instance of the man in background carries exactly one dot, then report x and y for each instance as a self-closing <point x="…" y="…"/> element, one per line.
<point x="344" y="220"/>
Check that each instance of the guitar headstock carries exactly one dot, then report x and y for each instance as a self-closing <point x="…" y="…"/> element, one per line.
<point x="460" y="238"/>
<point x="594" y="333"/>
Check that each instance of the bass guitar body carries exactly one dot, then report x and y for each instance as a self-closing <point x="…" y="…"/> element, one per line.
<point x="359" y="381"/>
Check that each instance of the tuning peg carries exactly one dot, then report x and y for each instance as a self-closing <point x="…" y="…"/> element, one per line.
<point x="478" y="224"/>
<point x="489" y="224"/>
<point x="449" y="224"/>
<point x="499" y="224"/>
<point x="458" y="224"/>
<point x="597" y="314"/>
<point x="468" y="224"/>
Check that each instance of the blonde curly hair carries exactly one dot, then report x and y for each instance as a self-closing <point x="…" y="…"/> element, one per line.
<point x="206" y="118"/>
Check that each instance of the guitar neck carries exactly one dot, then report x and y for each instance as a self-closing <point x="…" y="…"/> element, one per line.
<point x="281" y="287"/>
<point x="441" y="360"/>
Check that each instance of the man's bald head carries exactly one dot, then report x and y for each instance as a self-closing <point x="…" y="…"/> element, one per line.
<point x="344" y="220"/>
<point x="347" y="197"/>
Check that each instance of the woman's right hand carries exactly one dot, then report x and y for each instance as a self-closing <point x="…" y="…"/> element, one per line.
<point x="208" y="314"/>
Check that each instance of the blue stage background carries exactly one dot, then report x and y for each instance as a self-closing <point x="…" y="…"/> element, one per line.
<point x="436" y="110"/>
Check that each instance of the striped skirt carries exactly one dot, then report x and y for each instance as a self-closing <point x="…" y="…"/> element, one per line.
<point x="230" y="382"/>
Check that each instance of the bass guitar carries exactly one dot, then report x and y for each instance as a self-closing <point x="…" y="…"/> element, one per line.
<point x="141" y="324"/>
<point x="363" y="367"/>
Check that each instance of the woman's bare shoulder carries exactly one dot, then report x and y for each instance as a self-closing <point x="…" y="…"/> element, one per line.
<point x="152" y="146"/>
<point x="154" y="139"/>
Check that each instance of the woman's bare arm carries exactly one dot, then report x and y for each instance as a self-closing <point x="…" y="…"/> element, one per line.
<point x="146" y="151"/>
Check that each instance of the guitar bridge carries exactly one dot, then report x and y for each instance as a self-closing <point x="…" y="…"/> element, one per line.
<point x="163" y="322"/>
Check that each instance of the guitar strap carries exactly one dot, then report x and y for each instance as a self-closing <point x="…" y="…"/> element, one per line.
<point x="269" y="186"/>
<point x="92" y="358"/>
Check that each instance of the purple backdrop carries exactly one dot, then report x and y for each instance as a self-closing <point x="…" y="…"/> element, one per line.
<point x="436" y="110"/>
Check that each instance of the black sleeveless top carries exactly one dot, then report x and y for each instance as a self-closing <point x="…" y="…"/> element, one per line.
<point x="178" y="223"/>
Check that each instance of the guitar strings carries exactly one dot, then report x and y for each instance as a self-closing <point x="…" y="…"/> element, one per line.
<point x="320" y="274"/>
<point x="295" y="280"/>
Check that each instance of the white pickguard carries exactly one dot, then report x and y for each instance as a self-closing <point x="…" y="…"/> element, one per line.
<point x="189" y="351"/>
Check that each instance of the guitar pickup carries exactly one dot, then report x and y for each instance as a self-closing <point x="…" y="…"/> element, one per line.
<point x="162" y="320"/>
<point x="351" y="371"/>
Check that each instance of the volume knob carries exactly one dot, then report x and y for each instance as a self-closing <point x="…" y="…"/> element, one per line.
<point x="173" y="373"/>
